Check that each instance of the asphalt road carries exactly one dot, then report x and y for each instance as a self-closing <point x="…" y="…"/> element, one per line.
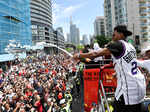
<point x="77" y="104"/>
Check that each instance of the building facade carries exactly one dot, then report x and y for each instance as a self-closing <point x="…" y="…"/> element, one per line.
<point x="122" y="12"/>
<point x="99" y="26"/>
<point x="68" y="38"/>
<point x="60" y="29"/>
<point x="74" y="34"/>
<point x="109" y="16"/>
<point x="78" y="36"/>
<point x="144" y="6"/>
<point x="14" y="23"/>
<point x="85" y="40"/>
<point x="41" y="20"/>
<point x="59" y="38"/>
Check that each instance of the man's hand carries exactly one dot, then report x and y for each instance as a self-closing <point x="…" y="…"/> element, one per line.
<point x="76" y="56"/>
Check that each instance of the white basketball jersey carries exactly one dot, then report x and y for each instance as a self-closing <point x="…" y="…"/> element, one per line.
<point x="130" y="81"/>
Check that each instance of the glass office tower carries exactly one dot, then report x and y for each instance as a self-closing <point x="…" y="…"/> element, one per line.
<point x="14" y="23"/>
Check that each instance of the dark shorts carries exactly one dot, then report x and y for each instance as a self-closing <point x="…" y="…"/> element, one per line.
<point x="119" y="106"/>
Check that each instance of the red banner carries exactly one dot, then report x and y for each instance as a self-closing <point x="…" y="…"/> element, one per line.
<point x="91" y="80"/>
<point x="109" y="79"/>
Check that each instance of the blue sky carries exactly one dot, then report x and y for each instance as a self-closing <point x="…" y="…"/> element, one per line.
<point x="83" y="13"/>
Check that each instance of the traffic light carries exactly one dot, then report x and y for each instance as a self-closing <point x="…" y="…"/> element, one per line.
<point x="137" y="40"/>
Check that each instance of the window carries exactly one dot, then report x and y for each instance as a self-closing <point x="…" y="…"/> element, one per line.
<point x="41" y="28"/>
<point x="34" y="26"/>
<point x="34" y="32"/>
<point x="41" y="33"/>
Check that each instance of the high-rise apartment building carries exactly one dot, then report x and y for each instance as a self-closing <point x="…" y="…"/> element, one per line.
<point x="144" y="6"/>
<point x="41" y="20"/>
<point x="59" y="38"/>
<point x="122" y="12"/>
<point x="99" y="26"/>
<point x="14" y="23"/>
<point x="60" y="29"/>
<point x="109" y="16"/>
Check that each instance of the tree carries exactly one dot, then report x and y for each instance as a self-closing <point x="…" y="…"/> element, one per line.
<point x="80" y="47"/>
<point x="69" y="49"/>
<point x="102" y="40"/>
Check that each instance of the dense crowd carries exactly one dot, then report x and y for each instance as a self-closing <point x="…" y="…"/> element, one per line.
<point x="37" y="84"/>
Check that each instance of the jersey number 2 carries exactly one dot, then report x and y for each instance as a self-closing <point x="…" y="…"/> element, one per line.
<point x="134" y="68"/>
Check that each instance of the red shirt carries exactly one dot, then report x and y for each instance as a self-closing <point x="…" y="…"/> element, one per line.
<point x="28" y="93"/>
<point x="39" y="106"/>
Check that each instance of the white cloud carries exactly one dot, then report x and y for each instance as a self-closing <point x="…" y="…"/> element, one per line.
<point x="61" y="15"/>
<point x="60" y="12"/>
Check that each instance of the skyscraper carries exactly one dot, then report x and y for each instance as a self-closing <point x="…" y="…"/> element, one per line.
<point x="14" y="23"/>
<point x="74" y="34"/>
<point x="68" y="38"/>
<point x="85" y="39"/>
<point x="41" y="19"/>
<point x="99" y="26"/>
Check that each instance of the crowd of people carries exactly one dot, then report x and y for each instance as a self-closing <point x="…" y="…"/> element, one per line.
<point x="45" y="83"/>
<point x="37" y="84"/>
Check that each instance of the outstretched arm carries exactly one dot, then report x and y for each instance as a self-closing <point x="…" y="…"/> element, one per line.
<point x="93" y="54"/>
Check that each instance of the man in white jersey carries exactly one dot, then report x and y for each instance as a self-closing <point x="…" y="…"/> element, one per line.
<point x="145" y="63"/>
<point x="131" y="87"/>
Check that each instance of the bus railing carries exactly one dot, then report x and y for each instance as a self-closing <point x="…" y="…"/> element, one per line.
<point x="103" y="99"/>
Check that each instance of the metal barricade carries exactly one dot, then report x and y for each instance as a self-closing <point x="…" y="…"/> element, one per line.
<point x="103" y="99"/>
<point x="92" y="69"/>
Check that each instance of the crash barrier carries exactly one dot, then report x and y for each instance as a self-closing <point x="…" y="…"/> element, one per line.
<point x="92" y="76"/>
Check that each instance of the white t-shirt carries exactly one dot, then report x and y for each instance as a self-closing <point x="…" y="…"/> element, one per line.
<point x="144" y="63"/>
<point x="97" y="48"/>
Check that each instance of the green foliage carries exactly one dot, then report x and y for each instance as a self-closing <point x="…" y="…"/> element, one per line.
<point x="80" y="47"/>
<point x="102" y="40"/>
<point x="69" y="49"/>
